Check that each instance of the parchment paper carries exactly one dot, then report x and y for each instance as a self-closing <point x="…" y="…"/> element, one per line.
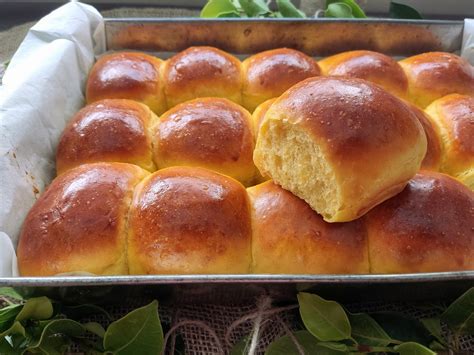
<point x="40" y="93"/>
<point x="38" y="96"/>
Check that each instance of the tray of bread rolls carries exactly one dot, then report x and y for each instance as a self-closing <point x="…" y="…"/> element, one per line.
<point x="252" y="155"/>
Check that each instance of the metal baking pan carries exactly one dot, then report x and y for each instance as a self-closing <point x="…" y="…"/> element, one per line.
<point x="316" y="37"/>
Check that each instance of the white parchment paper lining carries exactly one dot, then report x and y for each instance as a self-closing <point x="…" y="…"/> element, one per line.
<point x="39" y="94"/>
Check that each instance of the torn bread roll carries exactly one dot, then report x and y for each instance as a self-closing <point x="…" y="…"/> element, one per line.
<point x="343" y="145"/>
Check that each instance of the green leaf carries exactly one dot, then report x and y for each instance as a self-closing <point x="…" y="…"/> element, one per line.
<point x="402" y="328"/>
<point x="460" y="314"/>
<point x="338" y="10"/>
<point x="413" y="349"/>
<point x="139" y="332"/>
<point x="355" y="9"/>
<point x="326" y="320"/>
<point x="10" y="293"/>
<point x="8" y="315"/>
<point x="254" y="8"/>
<point x="36" y="308"/>
<point x="366" y="331"/>
<point x="287" y="9"/>
<point x="403" y="11"/>
<point x="218" y="8"/>
<point x="56" y="336"/>
<point x="433" y="325"/>
<point x="16" y="328"/>
<point x="6" y="348"/>
<point x="84" y="310"/>
<point x="286" y="346"/>
<point x="94" y="328"/>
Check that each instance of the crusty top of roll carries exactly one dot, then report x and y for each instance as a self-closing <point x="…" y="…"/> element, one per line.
<point x="78" y="223"/>
<point x="372" y="66"/>
<point x="108" y="130"/>
<point x="127" y="75"/>
<point x="268" y="74"/>
<point x="289" y="237"/>
<point x="200" y="72"/>
<point x="350" y="116"/>
<point x="432" y="160"/>
<point x="428" y="227"/>
<point x="435" y="74"/>
<point x="191" y="221"/>
<point x="209" y="132"/>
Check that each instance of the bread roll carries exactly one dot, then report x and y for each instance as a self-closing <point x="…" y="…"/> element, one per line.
<point x="268" y="74"/>
<point x="290" y="238"/>
<point x="79" y="223"/>
<point x="453" y="116"/>
<point x="127" y="75"/>
<point x="428" y="227"/>
<point x="213" y="133"/>
<point x="260" y="112"/>
<point x="432" y="160"/>
<point x="108" y="130"/>
<point x="189" y="221"/>
<point x="202" y="72"/>
<point x="436" y="74"/>
<point x="372" y="66"/>
<point x="343" y="145"/>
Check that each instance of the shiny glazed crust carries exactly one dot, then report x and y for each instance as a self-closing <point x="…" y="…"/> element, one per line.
<point x="127" y="75"/>
<point x="202" y="72"/>
<point x="453" y="116"/>
<point x="270" y="73"/>
<point x="107" y="131"/>
<point x="189" y="221"/>
<point x="372" y="66"/>
<point x="290" y="238"/>
<point x="213" y="133"/>
<point x="433" y="75"/>
<point x="428" y="227"/>
<point x="79" y="223"/>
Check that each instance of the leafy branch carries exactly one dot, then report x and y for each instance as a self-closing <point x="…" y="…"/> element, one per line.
<point x="261" y="9"/>
<point x="331" y="330"/>
<point x="39" y="325"/>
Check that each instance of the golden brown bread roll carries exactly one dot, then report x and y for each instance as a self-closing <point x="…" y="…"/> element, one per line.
<point x="202" y="72"/>
<point x="127" y="75"/>
<point x="109" y="130"/>
<point x="189" y="221"/>
<point x="343" y="145"/>
<point x="270" y="73"/>
<point x="259" y="113"/>
<point x="372" y="66"/>
<point x="433" y="75"/>
<point x="432" y="159"/>
<point x="213" y="133"/>
<point x="428" y="227"/>
<point x="79" y="223"/>
<point x="290" y="238"/>
<point x="453" y="116"/>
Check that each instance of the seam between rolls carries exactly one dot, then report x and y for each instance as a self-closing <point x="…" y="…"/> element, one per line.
<point x="127" y="224"/>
